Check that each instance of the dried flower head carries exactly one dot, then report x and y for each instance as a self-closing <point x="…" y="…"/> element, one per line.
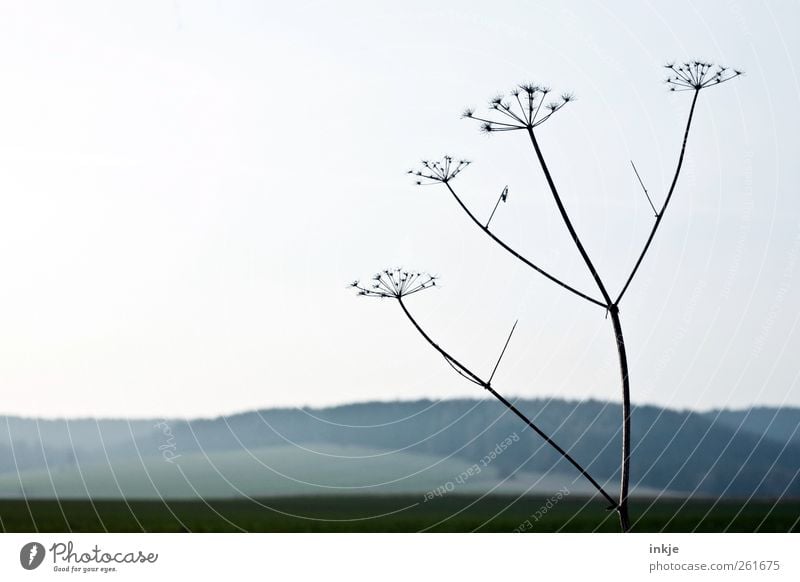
<point x="395" y="284"/>
<point x="438" y="172"/>
<point x="697" y="75"/>
<point x="524" y="108"/>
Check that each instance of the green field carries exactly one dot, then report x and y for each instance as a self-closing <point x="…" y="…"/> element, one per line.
<point x="396" y="513"/>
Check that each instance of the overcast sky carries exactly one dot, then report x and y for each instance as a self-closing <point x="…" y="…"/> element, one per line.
<point x="186" y="189"/>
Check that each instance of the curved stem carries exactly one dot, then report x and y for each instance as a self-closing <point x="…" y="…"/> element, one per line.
<point x="624" y="519"/>
<point x="660" y="214"/>
<point x="436" y="346"/>
<point x="564" y="454"/>
<point x="552" y="443"/>
<point x="517" y="255"/>
<point x="622" y="505"/>
<point x="566" y="219"/>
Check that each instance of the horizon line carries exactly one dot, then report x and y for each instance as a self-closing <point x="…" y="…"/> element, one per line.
<point x="136" y="418"/>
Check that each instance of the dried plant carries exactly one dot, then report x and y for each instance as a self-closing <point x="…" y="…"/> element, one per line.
<point x="399" y="284"/>
<point x="526" y="108"/>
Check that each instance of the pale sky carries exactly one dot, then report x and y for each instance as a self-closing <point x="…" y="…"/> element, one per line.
<point x="186" y="189"/>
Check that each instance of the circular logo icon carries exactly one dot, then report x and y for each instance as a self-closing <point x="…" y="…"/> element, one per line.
<point x="31" y="555"/>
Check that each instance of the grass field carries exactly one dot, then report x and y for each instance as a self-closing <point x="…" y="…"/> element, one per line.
<point x="401" y="513"/>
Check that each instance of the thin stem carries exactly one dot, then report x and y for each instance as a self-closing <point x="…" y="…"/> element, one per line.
<point x="566" y="219"/>
<point x="641" y="183"/>
<point x="521" y="108"/>
<point x="460" y="372"/>
<point x="624" y="518"/>
<point x="497" y="204"/>
<point x="538" y="107"/>
<point x="508" y="113"/>
<point x="516" y="254"/>
<point x="493" y="211"/>
<point x="660" y="215"/>
<point x="621" y="506"/>
<point x="515" y="126"/>
<point x="436" y="346"/>
<point x="554" y="445"/>
<point x="503" y="353"/>
<point x="511" y="407"/>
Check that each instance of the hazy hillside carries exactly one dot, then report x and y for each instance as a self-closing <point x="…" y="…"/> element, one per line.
<point x="732" y="453"/>
<point x="780" y="424"/>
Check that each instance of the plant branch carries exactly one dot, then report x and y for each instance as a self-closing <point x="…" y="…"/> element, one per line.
<point x="500" y="199"/>
<point x="438" y="348"/>
<point x="503" y="353"/>
<point x="567" y="220"/>
<point x="564" y="454"/>
<point x="660" y="215"/>
<point x="624" y="518"/>
<point x="516" y="254"/>
<point x="638" y="177"/>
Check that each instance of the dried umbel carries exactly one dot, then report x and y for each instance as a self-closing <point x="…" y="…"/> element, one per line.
<point x="525" y="107"/>
<point x="438" y="172"/>
<point x="395" y="284"/>
<point x="698" y="75"/>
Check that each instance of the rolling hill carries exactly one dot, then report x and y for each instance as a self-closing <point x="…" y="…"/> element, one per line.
<point x="400" y="447"/>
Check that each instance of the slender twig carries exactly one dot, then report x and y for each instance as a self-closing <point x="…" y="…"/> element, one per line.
<point x="503" y="352"/>
<point x="635" y="171"/>
<point x="502" y="198"/>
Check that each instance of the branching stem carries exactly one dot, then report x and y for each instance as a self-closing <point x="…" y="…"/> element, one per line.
<point x="693" y="76"/>
<point x="471" y="375"/>
<point x="516" y="254"/>
<point x="567" y="220"/>
<point x="622" y="505"/>
<point x="660" y="215"/>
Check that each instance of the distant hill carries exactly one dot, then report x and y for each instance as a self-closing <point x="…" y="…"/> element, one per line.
<point x="779" y="424"/>
<point x="720" y="453"/>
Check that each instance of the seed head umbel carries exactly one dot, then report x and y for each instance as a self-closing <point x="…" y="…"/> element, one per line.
<point x="697" y="75"/>
<point x="438" y="172"/>
<point x="395" y="284"/>
<point x="523" y="108"/>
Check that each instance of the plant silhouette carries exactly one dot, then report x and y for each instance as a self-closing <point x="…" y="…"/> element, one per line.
<point x="525" y="109"/>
